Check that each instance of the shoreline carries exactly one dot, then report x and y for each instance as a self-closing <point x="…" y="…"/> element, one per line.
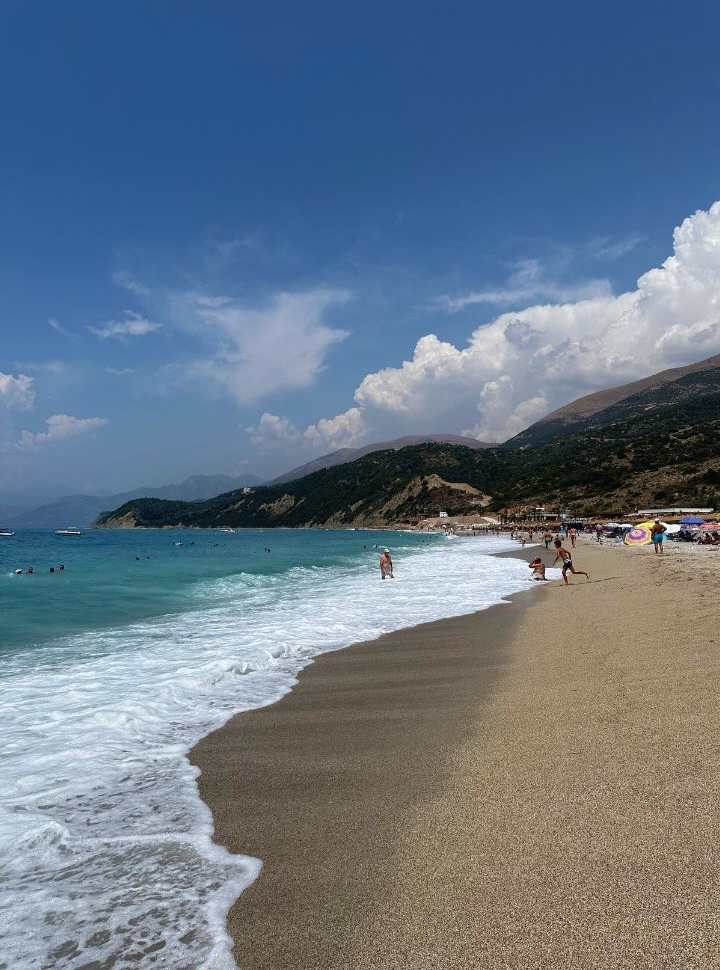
<point x="506" y="788"/>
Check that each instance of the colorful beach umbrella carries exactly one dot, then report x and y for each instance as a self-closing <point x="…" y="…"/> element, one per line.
<point x="691" y="520"/>
<point x="638" y="536"/>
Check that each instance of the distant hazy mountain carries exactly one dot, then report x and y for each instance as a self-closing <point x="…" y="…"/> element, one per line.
<point x="9" y="513"/>
<point x="82" y="510"/>
<point x="344" y="455"/>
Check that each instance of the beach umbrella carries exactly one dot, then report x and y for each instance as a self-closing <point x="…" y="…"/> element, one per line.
<point x="691" y="520"/>
<point x="712" y="526"/>
<point x="637" y="536"/>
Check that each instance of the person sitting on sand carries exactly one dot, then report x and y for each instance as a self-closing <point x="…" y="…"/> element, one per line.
<point x="386" y="565"/>
<point x="567" y="563"/>
<point x="538" y="568"/>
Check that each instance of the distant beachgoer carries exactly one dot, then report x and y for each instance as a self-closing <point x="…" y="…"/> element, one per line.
<point x="658" y="535"/>
<point x="61" y="566"/>
<point x="538" y="568"/>
<point x="522" y="540"/>
<point x="567" y="563"/>
<point x="573" y="536"/>
<point x="547" y="538"/>
<point x="386" y="565"/>
<point x="29" y="569"/>
<point x="52" y="569"/>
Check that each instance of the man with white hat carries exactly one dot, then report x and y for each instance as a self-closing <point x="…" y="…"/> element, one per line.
<point x="386" y="565"/>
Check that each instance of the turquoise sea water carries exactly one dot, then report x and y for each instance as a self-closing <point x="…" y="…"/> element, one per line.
<point x="120" y="576"/>
<point x="111" y="669"/>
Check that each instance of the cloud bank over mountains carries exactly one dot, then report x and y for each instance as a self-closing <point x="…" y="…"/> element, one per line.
<point x="191" y="344"/>
<point x="528" y="362"/>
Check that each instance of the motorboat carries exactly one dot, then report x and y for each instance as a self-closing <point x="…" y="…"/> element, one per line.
<point x="70" y="531"/>
<point x="226" y="528"/>
<point x="6" y="532"/>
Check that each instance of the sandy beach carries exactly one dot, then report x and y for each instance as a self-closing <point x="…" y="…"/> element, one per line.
<point x="532" y="786"/>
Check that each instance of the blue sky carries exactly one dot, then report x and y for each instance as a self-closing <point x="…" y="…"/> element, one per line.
<point x="237" y="236"/>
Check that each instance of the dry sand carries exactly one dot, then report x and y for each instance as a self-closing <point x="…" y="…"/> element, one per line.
<point x="534" y="786"/>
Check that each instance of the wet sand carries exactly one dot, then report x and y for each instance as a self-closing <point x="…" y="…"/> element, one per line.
<point x="532" y="786"/>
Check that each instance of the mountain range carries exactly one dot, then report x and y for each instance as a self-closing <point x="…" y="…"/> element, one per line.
<point x="651" y="442"/>
<point x="82" y="510"/>
<point x="345" y="455"/>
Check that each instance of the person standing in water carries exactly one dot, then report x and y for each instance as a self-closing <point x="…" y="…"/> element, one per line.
<point x="567" y="563"/>
<point x="386" y="565"/>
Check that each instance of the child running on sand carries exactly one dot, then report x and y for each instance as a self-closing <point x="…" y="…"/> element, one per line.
<point x="567" y="563"/>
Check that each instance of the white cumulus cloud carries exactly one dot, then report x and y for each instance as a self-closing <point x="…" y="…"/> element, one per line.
<point x="343" y="431"/>
<point x="59" y="427"/>
<point x="17" y="393"/>
<point x="528" y="362"/>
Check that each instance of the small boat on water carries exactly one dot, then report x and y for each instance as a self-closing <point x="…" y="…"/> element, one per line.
<point x="70" y="531"/>
<point x="6" y="532"/>
<point x="226" y="528"/>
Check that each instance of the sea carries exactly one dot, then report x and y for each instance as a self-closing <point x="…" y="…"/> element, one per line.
<point x="114" y="666"/>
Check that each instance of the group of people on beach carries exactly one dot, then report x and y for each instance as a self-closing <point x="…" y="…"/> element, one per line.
<point x="538" y="566"/>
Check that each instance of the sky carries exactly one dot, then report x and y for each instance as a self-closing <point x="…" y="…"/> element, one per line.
<point x="237" y="236"/>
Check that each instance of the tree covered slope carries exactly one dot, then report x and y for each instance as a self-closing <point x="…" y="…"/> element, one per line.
<point x="659" y="445"/>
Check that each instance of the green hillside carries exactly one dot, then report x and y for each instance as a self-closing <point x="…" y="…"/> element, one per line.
<point x="659" y="446"/>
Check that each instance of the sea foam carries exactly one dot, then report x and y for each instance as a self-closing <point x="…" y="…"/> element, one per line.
<point x="107" y="850"/>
